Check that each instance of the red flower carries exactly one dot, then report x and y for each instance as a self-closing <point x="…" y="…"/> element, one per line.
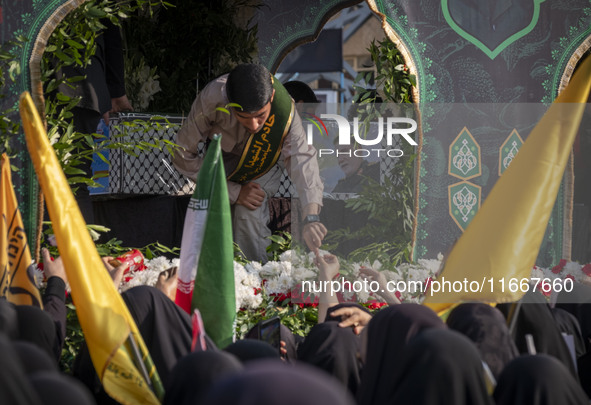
<point x="278" y="297"/>
<point x="558" y="268"/>
<point x="376" y="305"/>
<point x="587" y="269"/>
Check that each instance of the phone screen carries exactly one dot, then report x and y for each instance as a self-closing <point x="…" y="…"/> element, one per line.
<point x="270" y="332"/>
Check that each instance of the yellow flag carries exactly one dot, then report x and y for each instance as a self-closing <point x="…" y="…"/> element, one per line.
<point x="103" y="315"/>
<point x="503" y="239"/>
<point x="17" y="281"/>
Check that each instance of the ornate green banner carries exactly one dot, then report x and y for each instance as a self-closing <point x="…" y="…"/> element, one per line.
<point x="497" y="53"/>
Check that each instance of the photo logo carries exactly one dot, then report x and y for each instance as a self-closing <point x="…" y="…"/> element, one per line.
<point x="394" y="127"/>
<point x="317" y="122"/>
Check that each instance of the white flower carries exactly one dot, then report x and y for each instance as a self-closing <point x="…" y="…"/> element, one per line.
<point x="399" y="67"/>
<point x="572" y="268"/>
<point x="347" y="295"/>
<point x="286" y="256"/>
<point x="392" y="275"/>
<point x="285" y="282"/>
<point x="302" y="273"/>
<point x="37" y="276"/>
<point x="272" y="286"/>
<point x="254" y="267"/>
<point x="355" y="268"/>
<point x="245" y="297"/>
<point x="239" y="269"/>
<point x="143" y="98"/>
<point x="153" y="86"/>
<point x="440" y="256"/>
<point x="376" y="265"/>
<point x="537" y="272"/>
<point x="433" y="266"/>
<point x="144" y="73"/>
<point x="418" y="275"/>
<point x="249" y="300"/>
<point x="285" y="268"/>
<point x="363" y="295"/>
<point x="272" y="268"/>
<point x="158" y="264"/>
<point x="145" y="277"/>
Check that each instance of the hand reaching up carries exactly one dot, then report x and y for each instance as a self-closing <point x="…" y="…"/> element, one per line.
<point x="168" y="281"/>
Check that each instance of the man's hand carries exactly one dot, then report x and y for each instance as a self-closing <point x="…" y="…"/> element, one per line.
<point x="313" y="234"/>
<point x="53" y="268"/>
<point x="251" y="196"/>
<point x="118" y="104"/>
<point x="168" y="281"/>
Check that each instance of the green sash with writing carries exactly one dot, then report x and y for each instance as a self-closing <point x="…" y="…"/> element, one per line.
<point x="263" y="148"/>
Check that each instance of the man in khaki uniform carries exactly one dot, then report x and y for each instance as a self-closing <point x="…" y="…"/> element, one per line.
<point x="259" y="138"/>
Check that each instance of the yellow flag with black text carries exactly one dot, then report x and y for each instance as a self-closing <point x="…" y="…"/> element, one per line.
<point x="17" y="281"/>
<point x="109" y="329"/>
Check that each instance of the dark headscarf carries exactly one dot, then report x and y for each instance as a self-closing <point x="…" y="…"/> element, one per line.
<point x="195" y="374"/>
<point x="33" y="358"/>
<point x="584" y="372"/>
<point x="60" y="389"/>
<point x="439" y="367"/>
<point x="334" y="350"/>
<point x="389" y="332"/>
<point x="487" y="328"/>
<point x="535" y="318"/>
<point x="247" y="350"/>
<point x="165" y="327"/>
<point x="15" y="389"/>
<point x="568" y="323"/>
<point x="578" y="303"/>
<point x="538" y="380"/>
<point x="268" y="382"/>
<point x="36" y="326"/>
<point x="8" y="319"/>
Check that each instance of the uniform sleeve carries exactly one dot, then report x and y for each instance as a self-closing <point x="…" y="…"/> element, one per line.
<point x="196" y="129"/>
<point x="302" y="165"/>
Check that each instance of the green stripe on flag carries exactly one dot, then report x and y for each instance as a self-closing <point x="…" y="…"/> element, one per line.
<point x="214" y="293"/>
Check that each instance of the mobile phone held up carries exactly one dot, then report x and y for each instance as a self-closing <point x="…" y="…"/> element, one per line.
<point x="270" y="332"/>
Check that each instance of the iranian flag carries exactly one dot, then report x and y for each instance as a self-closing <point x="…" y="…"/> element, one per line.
<point x="206" y="268"/>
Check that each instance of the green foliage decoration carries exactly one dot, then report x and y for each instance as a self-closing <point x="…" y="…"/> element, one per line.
<point x="388" y="206"/>
<point x="189" y="45"/>
<point x="73" y="43"/>
<point x="10" y="69"/>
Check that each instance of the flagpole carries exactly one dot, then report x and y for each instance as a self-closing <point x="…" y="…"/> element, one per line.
<point x="513" y="315"/>
<point x="154" y="384"/>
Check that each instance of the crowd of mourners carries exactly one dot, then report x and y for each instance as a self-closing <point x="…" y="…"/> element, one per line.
<point x="526" y="353"/>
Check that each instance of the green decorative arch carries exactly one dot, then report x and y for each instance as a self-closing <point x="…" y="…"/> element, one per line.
<point x="491" y="53"/>
<point x="34" y="21"/>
